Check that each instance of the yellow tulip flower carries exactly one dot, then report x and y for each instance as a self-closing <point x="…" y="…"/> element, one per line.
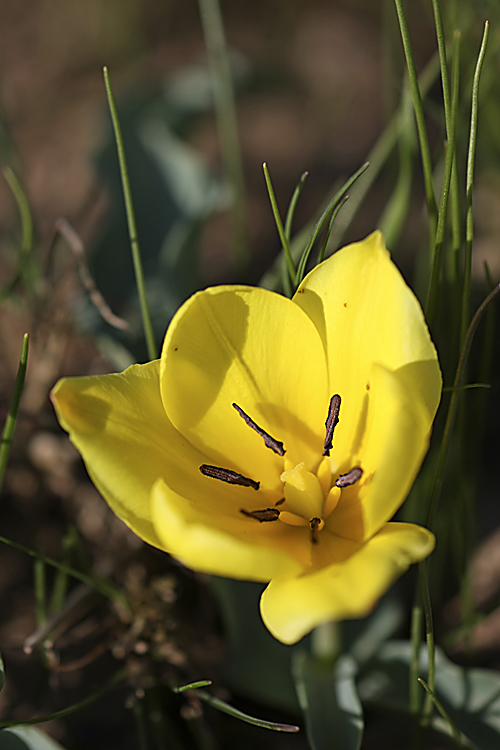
<point x="275" y="439"/>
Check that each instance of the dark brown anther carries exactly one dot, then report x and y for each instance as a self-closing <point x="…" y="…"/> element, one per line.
<point x="267" y="514"/>
<point x="314" y="522"/>
<point x="225" y="475"/>
<point x="269" y="441"/>
<point x="332" y="421"/>
<point x="280" y="502"/>
<point x="353" y="476"/>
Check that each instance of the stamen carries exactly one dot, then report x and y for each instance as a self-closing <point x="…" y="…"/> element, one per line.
<point x="225" y="475"/>
<point x="332" y="421"/>
<point x="270" y="442"/>
<point x="280" y="502"/>
<point x="353" y="476"/>
<point x="268" y="514"/>
<point x="314" y="522"/>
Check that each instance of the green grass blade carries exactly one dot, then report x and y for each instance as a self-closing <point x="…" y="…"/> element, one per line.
<point x="421" y="127"/>
<point x="27" y="234"/>
<point x="231" y="711"/>
<point x="10" y="422"/>
<point x="227" y="124"/>
<point x="458" y="736"/>
<point x="293" y="205"/>
<point x="337" y="198"/>
<point x="111" y="683"/>
<point x="279" y="226"/>
<point x="438" y="480"/>
<point x="132" y="228"/>
<point x="433" y="290"/>
<point x="101" y="585"/>
<point x="469" y="223"/>
<point x="429" y="636"/>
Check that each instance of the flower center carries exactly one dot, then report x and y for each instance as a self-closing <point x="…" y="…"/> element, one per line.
<point x="304" y="498"/>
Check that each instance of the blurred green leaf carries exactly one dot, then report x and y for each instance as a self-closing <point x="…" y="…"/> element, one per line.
<point x="471" y="697"/>
<point x="26" y="738"/>
<point x="258" y="664"/>
<point x="329" y="699"/>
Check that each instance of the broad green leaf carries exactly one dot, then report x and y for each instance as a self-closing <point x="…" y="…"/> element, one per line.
<point x="259" y="666"/>
<point x="471" y="697"/>
<point x="26" y="738"/>
<point x="329" y="699"/>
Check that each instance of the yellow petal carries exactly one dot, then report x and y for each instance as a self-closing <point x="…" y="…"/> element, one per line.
<point x="119" y="425"/>
<point x="259" y="350"/>
<point x="210" y="549"/>
<point x="292" y="607"/>
<point x="366" y="314"/>
<point x="392" y="445"/>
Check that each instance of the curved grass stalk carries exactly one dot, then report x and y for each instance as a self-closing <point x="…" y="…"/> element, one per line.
<point x="132" y="228"/>
<point x="469" y="224"/>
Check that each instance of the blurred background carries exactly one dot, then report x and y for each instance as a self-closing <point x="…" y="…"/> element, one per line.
<point x="318" y="84"/>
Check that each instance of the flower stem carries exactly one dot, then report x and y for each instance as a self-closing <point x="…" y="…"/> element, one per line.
<point x="132" y="228"/>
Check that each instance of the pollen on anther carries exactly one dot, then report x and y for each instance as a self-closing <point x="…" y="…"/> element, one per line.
<point x="332" y="421"/>
<point x="226" y="475"/>
<point x="353" y="476"/>
<point x="269" y="441"/>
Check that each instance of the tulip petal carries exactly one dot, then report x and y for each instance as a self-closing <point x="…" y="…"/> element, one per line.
<point x="292" y="607"/>
<point x="392" y="444"/>
<point x="366" y="314"/>
<point x="118" y="424"/>
<point x="210" y="548"/>
<point x="257" y="349"/>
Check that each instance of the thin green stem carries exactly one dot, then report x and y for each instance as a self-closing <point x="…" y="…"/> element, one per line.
<point x="227" y="709"/>
<point x="40" y="592"/>
<point x="416" y="639"/>
<point x="293" y="205"/>
<point x="101" y="585"/>
<point x="438" y="480"/>
<point x="285" y="278"/>
<point x="454" y="189"/>
<point x="443" y="203"/>
<point x="27" y="235"/>
<point x="392" y="220"/>
<point x="10" y="422"/>
<point x="328" y="232"/>
<point x="115" y="680"/>
<point x="279" y="225"/>
<point x="227" y="123"/>
<point x="132" y="228"/>
<point x="429" y="637"/>
<point x="337" y="198"/>
<point x="458" y="736"/>
<point x="420" y="118"/>
<point x="192" y="686"/>
<point x="469" y="222"/>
